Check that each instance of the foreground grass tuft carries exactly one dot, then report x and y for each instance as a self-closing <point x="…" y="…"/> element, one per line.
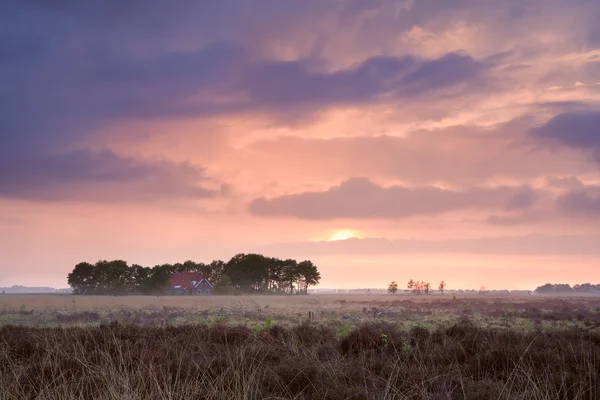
<point x="375" y="360"/>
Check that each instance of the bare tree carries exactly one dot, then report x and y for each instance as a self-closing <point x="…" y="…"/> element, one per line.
<point x="393" y="287"/>
<point x="442" y="286"/>
<point x="418" y="287"/>
<point x="482" y="289"/>
<point x="426" y="287"/>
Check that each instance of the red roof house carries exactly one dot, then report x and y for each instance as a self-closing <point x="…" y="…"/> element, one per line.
<point x="189" y="283"/>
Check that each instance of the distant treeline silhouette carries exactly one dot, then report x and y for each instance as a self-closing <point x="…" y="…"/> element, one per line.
<point x="566" y="288"/>
<point x="244" y="273"/>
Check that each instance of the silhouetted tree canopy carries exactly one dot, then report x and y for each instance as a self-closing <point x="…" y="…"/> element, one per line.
<point x="244" y="273"/>
<point x="566" y="288"/>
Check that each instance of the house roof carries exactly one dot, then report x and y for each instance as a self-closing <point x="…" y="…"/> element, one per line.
<point x="187" y="280"/>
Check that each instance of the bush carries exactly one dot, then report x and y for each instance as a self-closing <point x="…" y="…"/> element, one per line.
<point x="375" y="360"/>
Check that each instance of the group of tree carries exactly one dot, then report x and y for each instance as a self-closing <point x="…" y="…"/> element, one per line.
<point x="244" y="273"/>
<point x="416" y="287"/>
<point x="255" y="273"/>
<point x="566" y="288"/>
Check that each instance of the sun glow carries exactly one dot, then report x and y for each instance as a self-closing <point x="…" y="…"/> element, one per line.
<point x="343" y="234"/>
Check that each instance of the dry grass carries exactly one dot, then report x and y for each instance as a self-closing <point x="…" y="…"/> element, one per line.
<point x="53" y="301"/>
<point x="254" y="347"/>
<point x="307" y="361"/>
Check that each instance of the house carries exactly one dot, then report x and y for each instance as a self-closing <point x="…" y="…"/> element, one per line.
<point x="190" y="283"/>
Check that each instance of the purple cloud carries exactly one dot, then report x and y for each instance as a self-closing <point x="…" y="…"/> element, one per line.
<point x="58" y="176"/>
<point x="298" y="83"/>
<point x="574" y="130"/>
<point x="64" y="76"/>
<point x="581" y="202"/>
<point x="361" y="198"/>
<point x="523" y="199"/>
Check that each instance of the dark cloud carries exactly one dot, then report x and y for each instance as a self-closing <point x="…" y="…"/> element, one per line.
<point x="69" y="69"/>
<point x="574" y="130"/>
<point x="294" y="83"/>
<point x="361" y="198"/>
<point x="65" y="78"/>
<point x="523" y="200"/>
<point x="84" y="174"/>
<point x="581" y="202"/>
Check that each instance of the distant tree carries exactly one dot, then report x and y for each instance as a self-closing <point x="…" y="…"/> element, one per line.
<point x="418" y="287"/>
<point x="426" y="287"/>
<point x="288" y="273"/>
<point x="442" y="286"/>
<point x="170" y="269"/>
<point x="482" y="289"/>
<point x="566" y="288"/>
<point x="189" y="266"/>
<point x="140" y="276"/>
<point x="249" y="273"/>
<point x="392" y="287"/>
<point x="118" y="277"/>
<point x="410" y="285"/>
<point x="281" y="274"/>
<point x="307" y="275"/>
<point x="213" y="271"/>
<point x="81" y="279"/>
<point x="158" y="280"/>
<point x="178" y="267"/>
<point x="224" y="286"/>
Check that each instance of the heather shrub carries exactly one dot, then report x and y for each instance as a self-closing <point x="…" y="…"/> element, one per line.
<point x="376" y="360"/>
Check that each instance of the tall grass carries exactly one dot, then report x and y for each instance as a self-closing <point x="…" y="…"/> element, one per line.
<point x="306" y="361"/>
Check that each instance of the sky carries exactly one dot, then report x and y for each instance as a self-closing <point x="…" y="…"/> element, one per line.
<point x="382" y="139"/>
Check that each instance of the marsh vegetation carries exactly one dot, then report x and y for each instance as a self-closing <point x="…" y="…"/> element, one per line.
<point x="352" y="347"/>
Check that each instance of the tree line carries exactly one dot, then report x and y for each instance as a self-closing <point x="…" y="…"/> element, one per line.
<point x="566" y="288"/>
<point x="416" y="287"/>
<point x="243" y="273"/>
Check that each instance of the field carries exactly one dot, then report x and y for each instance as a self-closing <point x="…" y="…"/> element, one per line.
<point x="299" y="347"/>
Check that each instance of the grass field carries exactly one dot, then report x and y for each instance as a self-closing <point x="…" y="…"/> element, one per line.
<point x="299" y="347"/>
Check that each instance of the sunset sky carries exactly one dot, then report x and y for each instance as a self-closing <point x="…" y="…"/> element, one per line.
<point x="454" y="140"/>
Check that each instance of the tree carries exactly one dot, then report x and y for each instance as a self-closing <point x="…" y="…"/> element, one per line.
<point x="289" y="273"/>
<point x="158" y="280"/>
<point x="442" y="286"/>
<point x="224" y="286"/>
<point x="426" y="287"/>
<point x="140" y="276"/>
<point x="307" y="275"/>
<point x="566" y="288"/>
<point x="118" y="277"/>
<point x="189" y="266"/>
<point x="277" y="280"/>
<point x="418" y="287"/>
<point x="410" y="285"/>
<point x="248" y="273"/>
<point x="482" y="289"/>
<point x="392" y="287"/>
<point x="213" y="271"/>
<point x="81" y="279"/>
